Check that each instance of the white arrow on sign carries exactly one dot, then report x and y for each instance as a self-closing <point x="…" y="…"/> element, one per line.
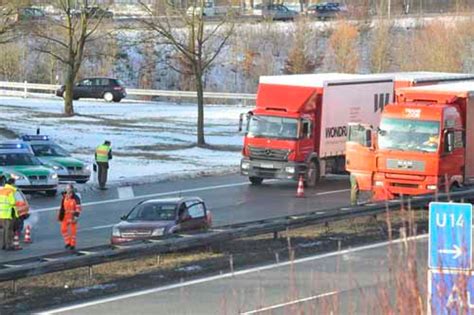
<point x="457" y="251"/>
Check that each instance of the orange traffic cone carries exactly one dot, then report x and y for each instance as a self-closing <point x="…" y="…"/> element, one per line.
<point x="16" y="241"/>
<point x="27" y="238"/>
<point x="300" y="191"/>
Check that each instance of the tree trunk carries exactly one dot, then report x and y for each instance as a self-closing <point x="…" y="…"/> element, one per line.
<point x="68" y="105"/>
<point x="200" y="102"/>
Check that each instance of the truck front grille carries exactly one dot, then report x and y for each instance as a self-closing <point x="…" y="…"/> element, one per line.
<point x="268" y="154"/>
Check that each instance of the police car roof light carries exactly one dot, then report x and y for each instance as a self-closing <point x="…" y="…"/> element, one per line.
<point x="12" y="146"/>
<point x="34" y="137"/>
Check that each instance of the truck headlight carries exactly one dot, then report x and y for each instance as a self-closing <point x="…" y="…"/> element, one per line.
<point x="17" y="177"/>
<point x="88" y="168"/>
<point x="431" y="187"/>
<point x="158" y="232"/>
<point x="245" y="165"/>
<point x="56" y="168"/>
<point x="290" y="169"/>
<point x="378" y="183"/>
<point x="115" y="231"/>
<point x="54" y="176"/>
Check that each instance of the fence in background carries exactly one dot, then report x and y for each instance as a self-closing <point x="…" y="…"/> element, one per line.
<point x="26" y="89"/>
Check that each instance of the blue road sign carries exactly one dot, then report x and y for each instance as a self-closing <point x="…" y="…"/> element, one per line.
<point x="451" y="292"/>
<point x="450" y="244"/>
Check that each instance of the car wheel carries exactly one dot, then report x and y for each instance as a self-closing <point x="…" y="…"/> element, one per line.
<point x="108" y="97"/>
<point x="255" y="180"/>
<point x="117" y="100"/>
<point x="51" y="193"/>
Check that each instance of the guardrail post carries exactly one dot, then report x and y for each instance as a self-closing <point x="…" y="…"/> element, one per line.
<point x="14" y="287"/>
<point x="91" y="275"/>
<point x="158" y="259"/>
<point x="25" y="89"/>
<point x="277" y="257"/>
<point x="231" y="263"/>
<point x="275" y="235"/>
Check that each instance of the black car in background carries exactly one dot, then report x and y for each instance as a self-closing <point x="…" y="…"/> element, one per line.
<point x="95" y="13"/>
<point x="327" y="10"/>
<point x="111" y="90"/>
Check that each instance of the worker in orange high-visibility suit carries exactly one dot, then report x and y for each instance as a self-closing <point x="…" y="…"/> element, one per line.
<point x="68" y="215"/>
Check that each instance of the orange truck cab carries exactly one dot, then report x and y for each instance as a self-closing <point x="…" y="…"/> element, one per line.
<point x="360" y="147"/>
<point x="299" y="125"/>
<point x="424" y="143"/>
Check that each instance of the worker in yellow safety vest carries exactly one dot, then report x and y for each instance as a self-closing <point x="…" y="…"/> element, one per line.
<point x="8" y="213"/>
<point x="103" y="154"/>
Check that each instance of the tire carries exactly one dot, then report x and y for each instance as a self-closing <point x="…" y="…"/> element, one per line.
<point x="108" y="97"/>
<point x="117" y="100"/>
<point x="255" y="180"/>
<point x="51" y="193"/>
<point x="313" y="175"/>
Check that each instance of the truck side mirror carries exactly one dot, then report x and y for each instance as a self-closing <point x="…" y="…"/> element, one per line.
<point x="368" y="138"/>
<point x="241" y="120"/>
<point x="449" y="141"/>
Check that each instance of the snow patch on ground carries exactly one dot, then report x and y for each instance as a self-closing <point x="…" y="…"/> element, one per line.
<point x="150" y="140"/>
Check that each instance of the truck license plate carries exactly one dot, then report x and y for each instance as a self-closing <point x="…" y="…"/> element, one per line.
<point x="266" y="165"/>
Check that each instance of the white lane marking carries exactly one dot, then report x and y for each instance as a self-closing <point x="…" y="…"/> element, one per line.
<point x="150" y="195"/>
<point x="321" y="212"/>
<point x="229" y="275"/>
<point x="332" y="192"/>
<point x="125" y="192"/>
<point x="94" y="203"/>
<point x="96" y="228"/>
<point x="268" y="308"/>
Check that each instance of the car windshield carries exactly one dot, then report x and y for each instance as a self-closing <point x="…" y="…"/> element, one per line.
<point x="409" y="135"/>
<point x="13" y="159"/>
<point x="49" y="150"/>
<point x="273" y="127"/>
<point x="153" y="212"/>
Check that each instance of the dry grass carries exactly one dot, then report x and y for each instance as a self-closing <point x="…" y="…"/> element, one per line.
<point x="343" y="47"/>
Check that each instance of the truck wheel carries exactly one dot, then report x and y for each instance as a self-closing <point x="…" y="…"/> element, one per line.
<point x="256" y="180"/>
<point x="313" y="175"/>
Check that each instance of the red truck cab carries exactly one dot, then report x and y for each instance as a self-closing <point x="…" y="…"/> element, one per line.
<point x="299" y="125"/>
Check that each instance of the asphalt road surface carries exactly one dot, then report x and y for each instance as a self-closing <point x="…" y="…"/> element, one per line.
<point x="230" y="198"/>
<point x="352" y="281"/>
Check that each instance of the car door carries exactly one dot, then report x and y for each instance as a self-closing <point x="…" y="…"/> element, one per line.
<point x="195" y="216"/>
<point x="360" y="154"/>
<point x="97" y="88"/>
<point x="81" y="88"/>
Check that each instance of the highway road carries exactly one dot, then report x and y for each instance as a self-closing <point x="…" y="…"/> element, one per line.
<point x="352" y="281"/>
<point x="230" y="198"/>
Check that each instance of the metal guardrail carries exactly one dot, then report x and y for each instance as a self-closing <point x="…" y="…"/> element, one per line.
<point x="24" y="89"/>
<point x="35" y="266"/>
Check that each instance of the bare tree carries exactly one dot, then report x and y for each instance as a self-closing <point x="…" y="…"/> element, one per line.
<point x="300" y="58"/>
<point x="8" y="15"/>
<point x="196" y="42"/>
<point x="66" y="39"/>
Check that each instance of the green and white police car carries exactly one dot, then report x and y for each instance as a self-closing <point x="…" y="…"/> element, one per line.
<point x="17" y="161"/>
<point x="60" y="160"/>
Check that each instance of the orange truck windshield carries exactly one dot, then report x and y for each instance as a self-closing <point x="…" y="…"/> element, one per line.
<point x="409" y="135"/>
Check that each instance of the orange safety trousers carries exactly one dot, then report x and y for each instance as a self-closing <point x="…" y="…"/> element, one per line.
<point x="69" y="231"/>
<point x="69" y="223"/>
